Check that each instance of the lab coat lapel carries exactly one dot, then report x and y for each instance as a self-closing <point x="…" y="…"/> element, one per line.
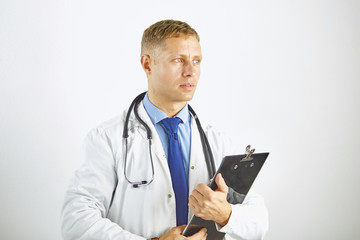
<point x="198" y="170"/>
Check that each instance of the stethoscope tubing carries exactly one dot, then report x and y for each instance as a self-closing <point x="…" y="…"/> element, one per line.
<point x="204" y="141"/>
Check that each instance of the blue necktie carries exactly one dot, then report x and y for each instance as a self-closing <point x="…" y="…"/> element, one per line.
<point x="177" y="170"/>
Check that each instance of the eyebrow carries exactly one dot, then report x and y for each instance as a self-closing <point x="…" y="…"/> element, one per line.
<point x="185" y="55"/>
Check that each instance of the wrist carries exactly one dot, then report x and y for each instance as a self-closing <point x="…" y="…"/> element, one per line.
<point x="226" y="216"/>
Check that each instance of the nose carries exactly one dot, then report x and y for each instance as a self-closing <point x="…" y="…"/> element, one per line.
<point x="189" y="70"/>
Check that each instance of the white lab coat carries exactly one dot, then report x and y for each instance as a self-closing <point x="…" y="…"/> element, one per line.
<point x="93" y="210"/>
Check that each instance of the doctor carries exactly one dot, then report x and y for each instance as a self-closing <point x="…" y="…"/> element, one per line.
<point x="101" y="201"/>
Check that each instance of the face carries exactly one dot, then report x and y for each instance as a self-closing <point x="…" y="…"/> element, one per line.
<point x="175" y="70"/>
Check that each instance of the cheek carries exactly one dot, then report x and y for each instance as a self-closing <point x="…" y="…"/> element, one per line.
<point x="197" y="74"/>
<point x="169" y="71"/>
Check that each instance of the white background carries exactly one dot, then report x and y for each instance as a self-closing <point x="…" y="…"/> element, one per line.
<point x="281" y="75"/>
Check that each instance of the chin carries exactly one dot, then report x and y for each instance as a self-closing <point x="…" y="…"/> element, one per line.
<point x="182" y="96"/>
<point x="188" y="97"/>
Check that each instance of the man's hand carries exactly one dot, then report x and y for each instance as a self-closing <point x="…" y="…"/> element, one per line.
<point x="211" y="205"/>
<point x="176" y="234"/>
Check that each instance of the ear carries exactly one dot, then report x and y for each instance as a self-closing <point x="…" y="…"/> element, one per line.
<point x="146" y="63"/>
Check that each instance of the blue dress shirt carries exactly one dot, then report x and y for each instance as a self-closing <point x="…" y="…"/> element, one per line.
<point x="184" y="131"/>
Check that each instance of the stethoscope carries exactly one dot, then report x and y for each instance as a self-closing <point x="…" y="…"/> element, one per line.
<point x="204" y="141"/>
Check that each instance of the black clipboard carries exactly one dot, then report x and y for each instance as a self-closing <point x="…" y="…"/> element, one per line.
<point x="239" y="173"/>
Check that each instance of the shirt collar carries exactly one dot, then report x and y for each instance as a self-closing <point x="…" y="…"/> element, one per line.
<point x="156" y="115"/>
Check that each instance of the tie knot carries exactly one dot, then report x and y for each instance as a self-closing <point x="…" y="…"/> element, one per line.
<point x="171" y="124"/>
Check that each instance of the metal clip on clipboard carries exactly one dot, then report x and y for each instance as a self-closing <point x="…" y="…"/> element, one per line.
<point x="248" y="153"/>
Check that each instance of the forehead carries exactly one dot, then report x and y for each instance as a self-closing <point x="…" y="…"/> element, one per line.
<point x="183" y="45"/>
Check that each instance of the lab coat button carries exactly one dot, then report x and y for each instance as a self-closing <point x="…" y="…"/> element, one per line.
<point x="192" y="167"/>
<point x="169" y="195"/>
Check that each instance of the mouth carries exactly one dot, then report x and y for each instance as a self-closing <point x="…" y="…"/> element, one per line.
<point x="187" y="86"/>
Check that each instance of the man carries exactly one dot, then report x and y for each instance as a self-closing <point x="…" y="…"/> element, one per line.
<point x="103" y="202"/>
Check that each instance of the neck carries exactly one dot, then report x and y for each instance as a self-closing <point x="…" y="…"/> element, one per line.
<point x="170" y="108"/>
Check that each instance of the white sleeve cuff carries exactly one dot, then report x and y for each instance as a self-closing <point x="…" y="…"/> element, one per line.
<point x="248" y="220"/>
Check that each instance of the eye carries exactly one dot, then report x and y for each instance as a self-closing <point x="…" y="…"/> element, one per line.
<point x="197" y="61"/>
<point x="177" y="60"/>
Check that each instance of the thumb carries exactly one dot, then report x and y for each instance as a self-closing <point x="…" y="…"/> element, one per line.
<point x="220" y="182"/>
<point x="179" y="229"/>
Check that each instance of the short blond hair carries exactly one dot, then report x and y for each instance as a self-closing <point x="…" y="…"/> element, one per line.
<point x="156" y="34"/>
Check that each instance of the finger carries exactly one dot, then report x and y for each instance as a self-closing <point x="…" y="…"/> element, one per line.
<point x="195" y="209"/>
<point x="179" y="229"/>
<point x="197" y="195"/>
<point x="193" y="206"/>
<point x="203" y="189"/>
<point x="220" y="182"/>
<point x="193" y="200"/>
